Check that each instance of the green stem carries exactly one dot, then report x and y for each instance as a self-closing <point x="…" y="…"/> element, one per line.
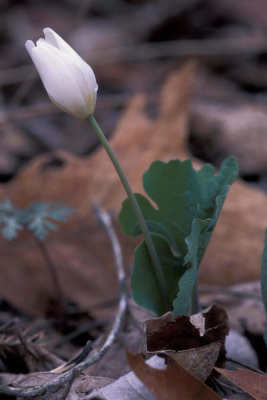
<point x="139" y="215"/>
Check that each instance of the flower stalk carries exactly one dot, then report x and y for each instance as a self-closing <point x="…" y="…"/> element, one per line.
<point x="143" y="226"/>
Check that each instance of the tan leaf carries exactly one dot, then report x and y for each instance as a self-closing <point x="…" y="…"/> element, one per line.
<point x="182" y="332"/>
<point x="171" y="383"/>
<point x="251" y="382"/>
<point x="194" y="342"/>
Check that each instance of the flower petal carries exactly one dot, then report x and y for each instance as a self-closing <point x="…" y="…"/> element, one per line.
<point x="29" y="46"/>
<point x="55" y="40"/>
<point x="62" y="78"/>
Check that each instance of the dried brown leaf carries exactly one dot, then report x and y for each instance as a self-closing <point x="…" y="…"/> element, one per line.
<point x="251" y="382"/>
<point x="195" y="342"/>
<point x="172" y="383"/>
<point x="199" y="361"/>
<point x="184" y="332"/>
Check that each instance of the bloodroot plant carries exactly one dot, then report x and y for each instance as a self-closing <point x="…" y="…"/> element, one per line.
<point x="176" y="218"/>
<point x="176" y="234"/>
<point x="188" y="204"/>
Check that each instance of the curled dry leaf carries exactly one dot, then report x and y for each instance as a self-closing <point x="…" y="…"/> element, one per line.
<point x="251" y="382"/>
<point x="182" y="333"/>
<point x="194" y="342"/>
<point x="171" y="383"/>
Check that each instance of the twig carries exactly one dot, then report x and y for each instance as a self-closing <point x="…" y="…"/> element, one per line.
<point x="83" y="355"/>
<point x="59" y="381"/>
<point x="68" y="387"/>
<point x="25" y="345"/>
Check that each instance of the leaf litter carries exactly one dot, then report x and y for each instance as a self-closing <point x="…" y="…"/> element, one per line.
<point x="172" y="382"/>
<point x="251" y="382"/>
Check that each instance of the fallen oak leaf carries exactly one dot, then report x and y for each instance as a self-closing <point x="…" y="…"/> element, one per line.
<point x="171" y="383"/>
<point x="251" y="382"/>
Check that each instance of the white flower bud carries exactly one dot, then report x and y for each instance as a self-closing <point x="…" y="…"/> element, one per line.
<point x="69" y="81"/>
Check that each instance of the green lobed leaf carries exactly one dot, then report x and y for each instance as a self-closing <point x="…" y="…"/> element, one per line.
<point x="173" y="187"/>
<point x="144" y="283"/>
<point x="195" y="241"/>
<point x="188" y="204"/>
<point x="211" y="186"/>
<point x="264" y="280"/>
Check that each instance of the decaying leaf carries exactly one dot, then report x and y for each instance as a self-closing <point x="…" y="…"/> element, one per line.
<point x="199" y="361"/>
<point x="171" y="383"/>
<point x="194" y="342"/>
<point x="185" y="332"/>
<point x="251" y="382"/>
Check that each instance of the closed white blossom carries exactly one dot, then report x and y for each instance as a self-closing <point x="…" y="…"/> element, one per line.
<point x="69" y="81"/>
